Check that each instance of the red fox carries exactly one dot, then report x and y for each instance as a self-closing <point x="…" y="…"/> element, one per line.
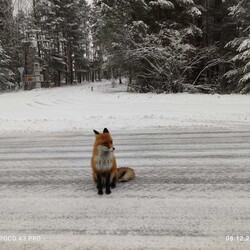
<point x="103" y="162"/>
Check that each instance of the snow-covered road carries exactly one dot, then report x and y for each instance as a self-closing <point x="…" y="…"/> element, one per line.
<point x="192" y="189"/>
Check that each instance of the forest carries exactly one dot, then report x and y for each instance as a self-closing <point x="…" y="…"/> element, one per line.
<point x="162" y="46"/>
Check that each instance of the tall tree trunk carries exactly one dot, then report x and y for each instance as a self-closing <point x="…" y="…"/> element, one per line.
<point x="99" y="74"/>
<point x="71" y="75"/>
<point x="37" y="35"/>
<point x="66" y="63"/>
<point x="130" y="77"/>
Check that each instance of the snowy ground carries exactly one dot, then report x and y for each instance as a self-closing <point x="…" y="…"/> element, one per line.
<point x="78" y="108"/>
<point x="191" y="159"/>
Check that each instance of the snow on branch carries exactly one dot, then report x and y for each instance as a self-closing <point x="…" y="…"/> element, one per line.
<point x="185" y="2"/>
<point x="244" y="45"/>
<point x="163" y="4"/>
<point x="245" y="78"/>
<point x="194" y="12"/>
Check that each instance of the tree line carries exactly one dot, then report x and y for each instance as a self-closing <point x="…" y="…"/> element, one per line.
<point x="159" y="46"/>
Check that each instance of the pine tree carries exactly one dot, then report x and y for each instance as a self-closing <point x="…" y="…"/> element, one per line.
<point x="6" y="44"/>
<point x="151" y="40"/>
<point x="24" y="42"/>
<point x="218" y="28"/>
<point x="6" y="18"/>
<point x="110" y="32"/>
<point x="6" y="75"/>
<point x="64" y="31"/>
<point x="238" y="78"/>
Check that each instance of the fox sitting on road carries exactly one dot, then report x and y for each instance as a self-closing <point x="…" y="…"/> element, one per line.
<point x="103" y="162"/>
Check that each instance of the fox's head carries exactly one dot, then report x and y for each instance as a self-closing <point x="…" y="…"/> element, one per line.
<point x="104" y="141"/>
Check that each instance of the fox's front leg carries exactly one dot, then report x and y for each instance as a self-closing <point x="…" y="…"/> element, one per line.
<point x="99" y="184"/>
<point x="108" y="184"/>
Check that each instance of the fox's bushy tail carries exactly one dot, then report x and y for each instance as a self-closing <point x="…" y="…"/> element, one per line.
<point x="125" y="174"/>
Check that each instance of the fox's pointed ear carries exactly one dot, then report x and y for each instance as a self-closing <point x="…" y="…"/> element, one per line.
<point x="105" y="130"/>
<point x="96" y="132"/>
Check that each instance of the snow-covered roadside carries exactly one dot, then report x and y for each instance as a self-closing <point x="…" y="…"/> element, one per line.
<point x="77" y="108"/>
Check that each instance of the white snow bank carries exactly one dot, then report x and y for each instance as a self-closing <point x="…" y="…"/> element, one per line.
<point x="78" y="108"/>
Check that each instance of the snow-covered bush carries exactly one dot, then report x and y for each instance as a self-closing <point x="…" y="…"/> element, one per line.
<point x="162" y="68"/>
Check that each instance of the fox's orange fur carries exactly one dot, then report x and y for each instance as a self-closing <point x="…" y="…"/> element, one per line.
<point x="103" y="163"/>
